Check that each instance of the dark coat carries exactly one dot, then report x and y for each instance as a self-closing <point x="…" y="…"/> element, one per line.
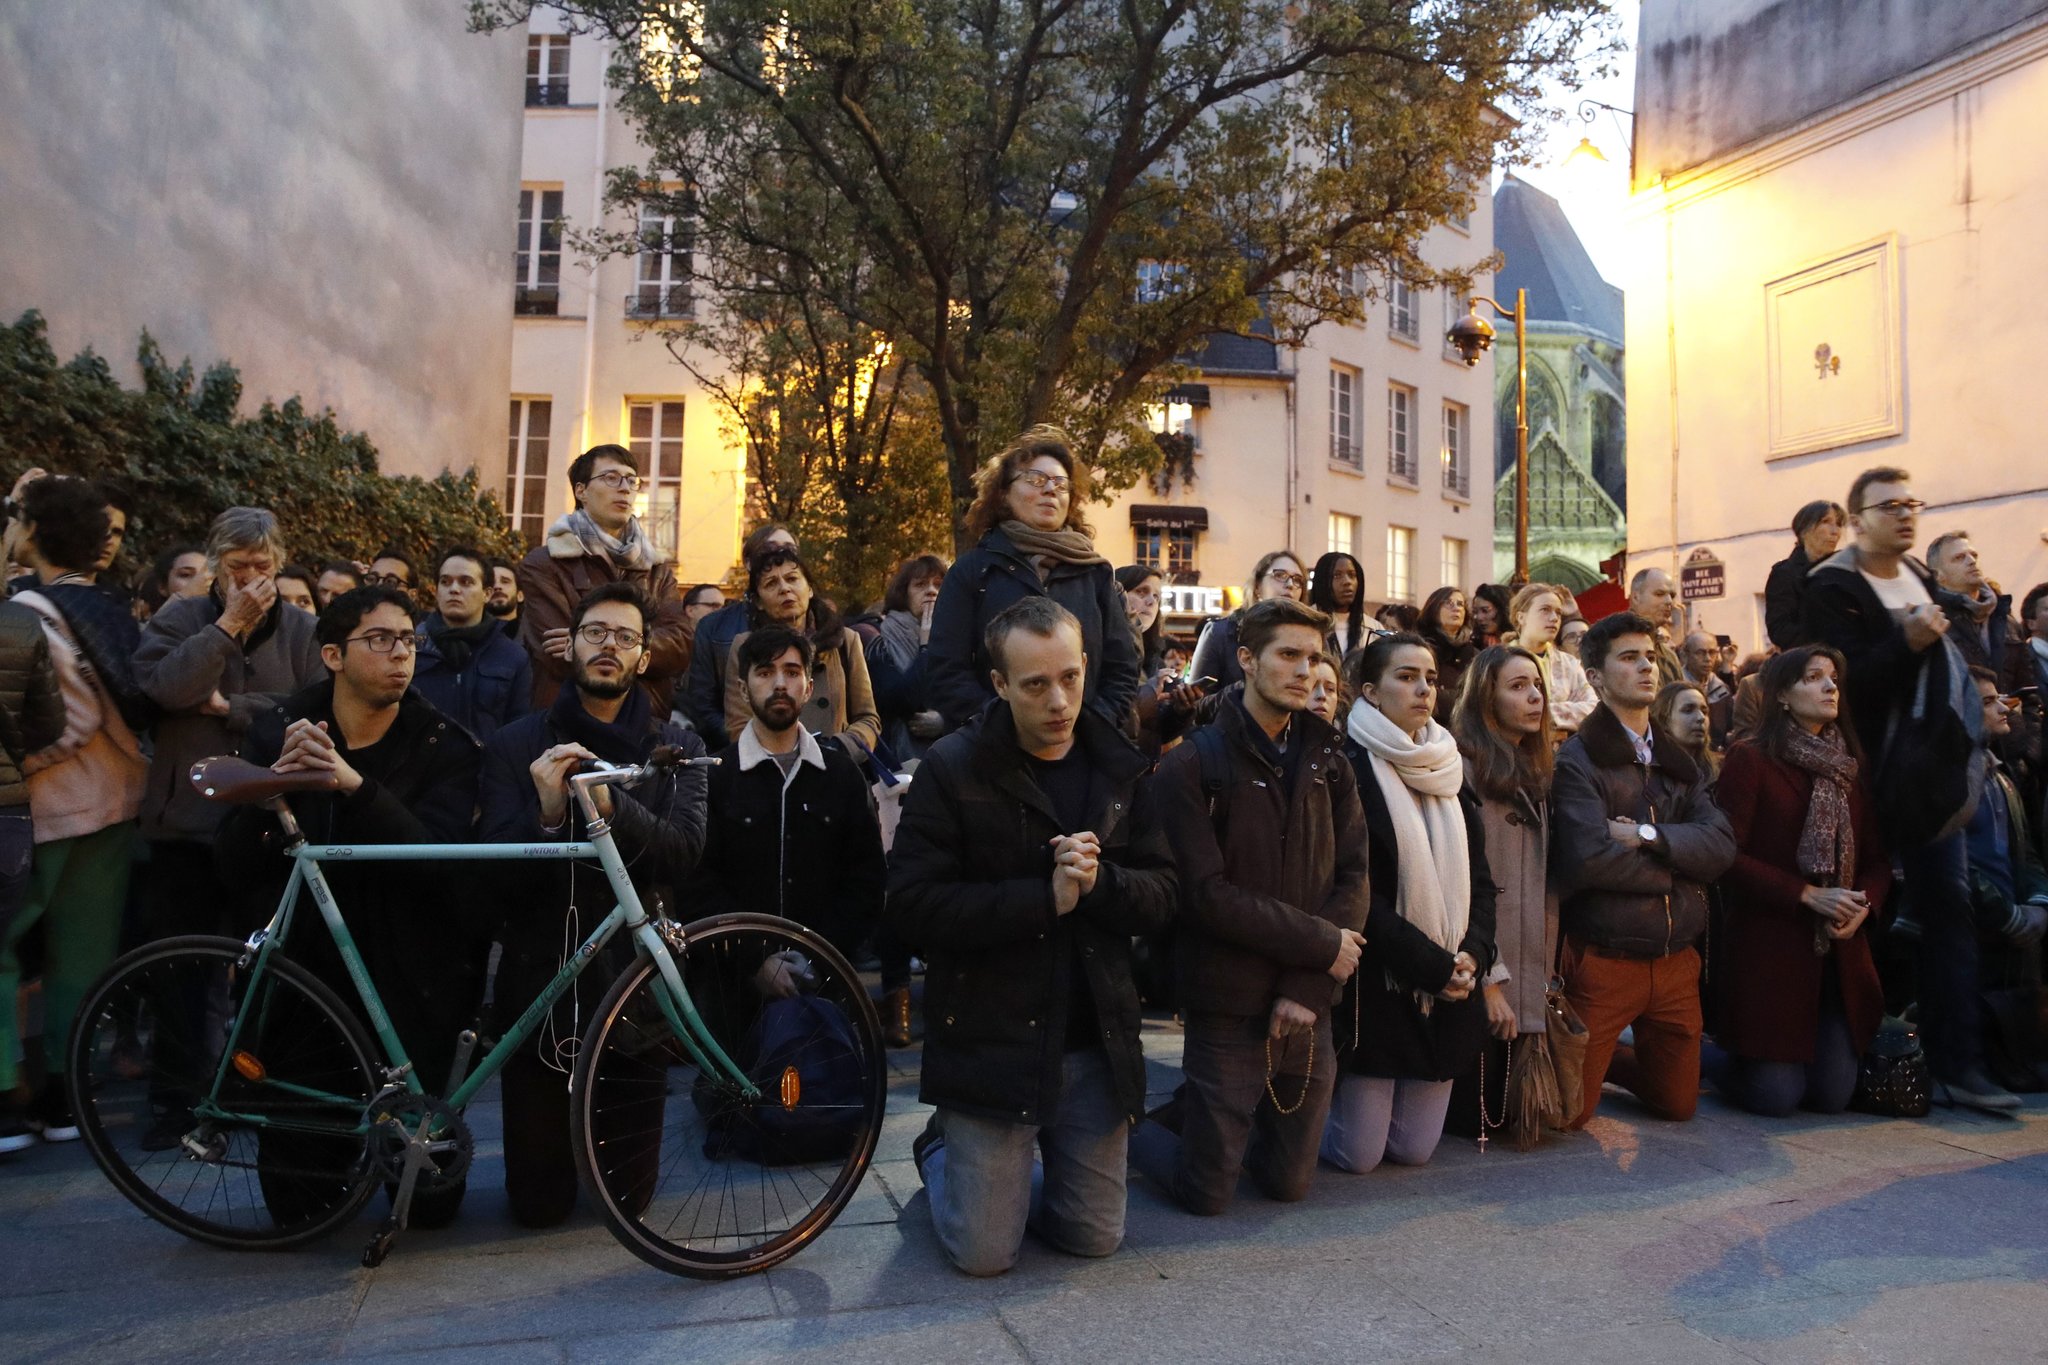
<point x="1637" y="902"/>
<point x="1785" y="599"/>
<point x="494" y="687"/>
<point x="994" y="575"/>
<point x="1216" y="653"/>
<point x="1767" y="978"/>
<point x="420" y="930"/>
<point x="31" y="703"/>
<point x="809" y="850"/>
<point x="1982" y="645"/>
<point x="1263" y="898"/>
<point x="659" y="828"/>
<point x="970" y="886"/>
<point x="1378" y="1020"/>
<point x="703" y="694"/>
<point x="1453" y="657"/>
<point x="1842" y="610"/>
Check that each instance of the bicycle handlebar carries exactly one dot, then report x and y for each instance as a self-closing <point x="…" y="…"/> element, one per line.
<point x="598" y="773"/>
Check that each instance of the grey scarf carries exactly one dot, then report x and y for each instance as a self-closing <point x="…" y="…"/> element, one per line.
<point x="631" y="551"/>
<point x="1062" y="546"/>
<point x="901" y="635"/>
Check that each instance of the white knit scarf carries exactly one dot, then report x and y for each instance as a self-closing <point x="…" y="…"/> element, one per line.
<point x="1420" y="779"/>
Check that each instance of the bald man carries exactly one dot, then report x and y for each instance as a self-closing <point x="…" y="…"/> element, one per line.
<point x="1654" y="597"/>
<point x="1700" y="657"/>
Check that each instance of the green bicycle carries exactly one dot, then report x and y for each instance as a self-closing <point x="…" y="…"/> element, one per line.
<point x="725" y="1100"/>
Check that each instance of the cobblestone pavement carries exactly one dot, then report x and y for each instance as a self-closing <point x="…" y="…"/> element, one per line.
<point x="1728" y="1239"/>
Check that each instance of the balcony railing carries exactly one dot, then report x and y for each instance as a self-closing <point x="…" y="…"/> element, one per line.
<point x="1347" y="452"/>
<point x="1401" y="465"/>
<point x="1457" y="478"/>
<point x="536" y="300"/>
<point x="652" y="302"/>
<point x="546" y="94"/>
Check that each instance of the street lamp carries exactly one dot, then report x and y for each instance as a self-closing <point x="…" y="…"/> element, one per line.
<point x="1472" y="335"/>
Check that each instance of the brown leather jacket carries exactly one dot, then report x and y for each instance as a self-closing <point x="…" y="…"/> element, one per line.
<point x="31" y="703"/>
<point x="558" y="574"/>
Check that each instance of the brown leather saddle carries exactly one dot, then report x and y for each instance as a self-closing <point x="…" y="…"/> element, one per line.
<point x="236" y="780"/>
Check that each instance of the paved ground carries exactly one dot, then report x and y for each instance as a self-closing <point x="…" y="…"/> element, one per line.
<point x="1727" y="1239"/>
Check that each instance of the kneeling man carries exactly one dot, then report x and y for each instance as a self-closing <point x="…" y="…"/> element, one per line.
<point x="1026" y="860"/>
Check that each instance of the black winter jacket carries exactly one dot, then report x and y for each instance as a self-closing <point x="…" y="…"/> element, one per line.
<point x="493" y="686"/>
<point x="808" y="850"/>
<point x="1643" y="902"/>
<point x="1264" y="896"/>
<point x="994" y="575"/>
<point x="1785" y="599"/>
<point x="31" y="702"/>
<point x="1378" y="1019"/>
<point x="659" y="827"/>
<point x="970" y="886"/>
<point x="1843" y="610"/>
<point x="419" y="926"/>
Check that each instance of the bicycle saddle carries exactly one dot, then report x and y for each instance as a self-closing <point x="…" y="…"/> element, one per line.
<point x="227" y="778"/>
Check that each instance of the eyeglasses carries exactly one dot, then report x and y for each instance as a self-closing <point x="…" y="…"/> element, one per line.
<point x="1286" y="579"/>
<point x="597" y="636"/>
<point x="385" y="580"/>
<point x="612" y="478"/>
<point x="1898" y="507"/>
<point x="385" y="641"/>
<point x="1038" y="478"/>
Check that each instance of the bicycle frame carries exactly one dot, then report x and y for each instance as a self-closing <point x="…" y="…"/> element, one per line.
<point x="628" y="913"/>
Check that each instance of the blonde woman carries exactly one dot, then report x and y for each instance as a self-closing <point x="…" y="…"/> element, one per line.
<point x="1537" y="614"/>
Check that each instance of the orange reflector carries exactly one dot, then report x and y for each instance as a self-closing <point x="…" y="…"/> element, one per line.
<point x="792" y="1088"/>
<point x="249" y="1068"/>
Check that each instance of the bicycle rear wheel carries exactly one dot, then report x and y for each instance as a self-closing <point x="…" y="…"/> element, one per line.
<point x="691" y="1175"/>
<point x="270" y="1156"/>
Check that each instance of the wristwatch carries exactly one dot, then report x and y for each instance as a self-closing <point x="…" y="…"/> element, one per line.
<point x="1647" y="833"/>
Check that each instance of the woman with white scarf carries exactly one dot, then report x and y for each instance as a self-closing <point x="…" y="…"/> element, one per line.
<point x="1411" y="1020"/>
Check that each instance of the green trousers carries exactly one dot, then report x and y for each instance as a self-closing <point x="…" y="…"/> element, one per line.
<point x="76" y="890"/>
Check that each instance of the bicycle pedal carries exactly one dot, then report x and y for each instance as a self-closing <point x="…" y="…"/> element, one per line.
<point x="380" y="1244"/>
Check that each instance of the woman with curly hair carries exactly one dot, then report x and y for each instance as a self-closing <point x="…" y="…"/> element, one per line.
<point x="1030" y="542"/>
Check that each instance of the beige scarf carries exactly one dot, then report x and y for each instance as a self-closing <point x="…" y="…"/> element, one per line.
<point x="1420" y="779"/>
<point x="1062" y="546"/>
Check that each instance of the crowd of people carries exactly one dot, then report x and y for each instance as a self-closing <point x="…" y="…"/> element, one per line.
<point x="1397" y="873"/>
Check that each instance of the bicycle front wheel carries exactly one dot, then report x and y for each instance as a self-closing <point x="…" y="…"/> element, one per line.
<point x="694" y="1175"/>
<point x="266" y="1152"/>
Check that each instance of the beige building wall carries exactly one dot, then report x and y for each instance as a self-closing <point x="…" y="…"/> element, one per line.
<point x="1902" y="230"/>
<point x="314" y="192"/>
<point x="593" y="361"/>
<point x="1270" y="472"/>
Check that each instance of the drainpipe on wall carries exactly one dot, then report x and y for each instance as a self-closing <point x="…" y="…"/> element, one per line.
<point x="1293" y="464"/>
<point x="604" y="91"/>
<point x="1671" y="366"/>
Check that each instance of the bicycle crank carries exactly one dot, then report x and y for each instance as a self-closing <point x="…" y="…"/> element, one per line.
<point x="401" y="1123"/>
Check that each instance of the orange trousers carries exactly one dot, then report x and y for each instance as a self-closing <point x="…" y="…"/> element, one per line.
<point x="1660" y="997"/>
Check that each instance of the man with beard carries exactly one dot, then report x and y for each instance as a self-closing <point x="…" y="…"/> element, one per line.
<point x="600" y="713"/>
<point x="468" y="667"/>
<point x="793" y="832"/>
<point x="503" y="601"/>
<point x="213" y="663"/>
<point x="405" y="774"/>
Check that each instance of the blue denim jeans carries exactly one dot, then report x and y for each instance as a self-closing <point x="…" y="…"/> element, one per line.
<point x="1938" y="881"/>
<point x="987" y="1183"/>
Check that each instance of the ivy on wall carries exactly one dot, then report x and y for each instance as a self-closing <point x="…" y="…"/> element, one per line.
<point x="179" y="446"/>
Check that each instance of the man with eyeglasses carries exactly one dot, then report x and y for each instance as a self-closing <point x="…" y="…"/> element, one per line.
<point x="404" y="774"/>
<point x="597" y="714"/>
<point x="1878" y="605"/>
<point x="392" y="568"/>
<point x="468" y="667"/>
<point x="602" y="541"/>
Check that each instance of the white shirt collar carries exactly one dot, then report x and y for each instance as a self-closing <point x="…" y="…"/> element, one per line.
<point x="752" y="752"/>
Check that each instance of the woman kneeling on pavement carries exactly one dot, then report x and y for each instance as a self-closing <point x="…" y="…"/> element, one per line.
<point x="1502" y="723"/>
<point x="1412" y="1019"/>
<point x="1799" y="993"/>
